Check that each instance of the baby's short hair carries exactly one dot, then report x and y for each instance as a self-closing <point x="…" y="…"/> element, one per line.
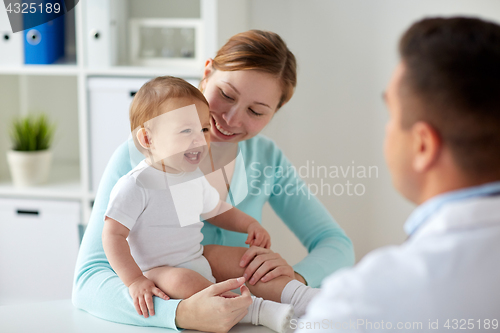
<point x="147" y="101"/>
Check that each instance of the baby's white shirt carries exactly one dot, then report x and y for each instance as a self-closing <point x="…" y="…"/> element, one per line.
<point x="162" y="212"/>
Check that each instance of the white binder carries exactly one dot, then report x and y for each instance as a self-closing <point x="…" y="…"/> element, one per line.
<point x="103" y="28"/>
<point x="11" y="45"/>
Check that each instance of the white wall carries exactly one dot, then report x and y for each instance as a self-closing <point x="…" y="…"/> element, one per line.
<point x="346" y="50"/>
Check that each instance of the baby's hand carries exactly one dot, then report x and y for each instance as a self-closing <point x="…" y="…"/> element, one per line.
<point x="258" y="236"/>
<point x="142" y="291"/>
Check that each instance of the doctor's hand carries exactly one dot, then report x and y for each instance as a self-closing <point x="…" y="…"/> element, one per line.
<point x="265" y="265"/>
<point x="214" y="309"/>
<point x="142" y="291"/>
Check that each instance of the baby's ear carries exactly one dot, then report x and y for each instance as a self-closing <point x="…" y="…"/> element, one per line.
<point x="143" y="138"/>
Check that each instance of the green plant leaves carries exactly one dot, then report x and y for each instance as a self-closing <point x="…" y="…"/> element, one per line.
<point x="32" y="133"/>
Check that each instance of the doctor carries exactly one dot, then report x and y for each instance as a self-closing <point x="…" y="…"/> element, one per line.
<point x="443" y="150"/>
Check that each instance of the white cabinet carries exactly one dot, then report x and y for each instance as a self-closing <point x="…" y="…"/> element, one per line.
<point x="109" y="102"/>
<point x="38" y="249"/>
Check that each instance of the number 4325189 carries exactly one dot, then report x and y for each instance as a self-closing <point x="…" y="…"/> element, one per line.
<point x="463" y="324"/>
<point x="32" y="8"/>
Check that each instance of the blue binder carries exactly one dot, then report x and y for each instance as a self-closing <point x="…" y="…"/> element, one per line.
<point x="43" y="44"/>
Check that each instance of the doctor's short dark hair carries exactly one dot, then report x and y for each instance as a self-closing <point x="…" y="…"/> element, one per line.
<point x="451" y="81"/>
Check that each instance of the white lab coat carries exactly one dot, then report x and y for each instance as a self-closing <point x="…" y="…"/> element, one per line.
<point x="447" y="273"/>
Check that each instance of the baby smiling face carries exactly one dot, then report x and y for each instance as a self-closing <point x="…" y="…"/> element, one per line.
<point x="177" y="140"/>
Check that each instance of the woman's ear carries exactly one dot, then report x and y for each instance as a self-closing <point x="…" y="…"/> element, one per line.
<point x="143" y="138"/>
<point x="206" y="72"/>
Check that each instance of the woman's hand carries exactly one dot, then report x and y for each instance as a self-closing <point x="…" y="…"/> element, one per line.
<point x="258" y="236"/>
<point x="142" y="291"/>
<point x="265" y="265"/>
<point x="214" y="309"/>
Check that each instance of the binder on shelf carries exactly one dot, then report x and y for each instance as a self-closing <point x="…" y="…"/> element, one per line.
<point x="11" y="44"/>
<point x="43" y="44"/>
<point x="103" y="27"/>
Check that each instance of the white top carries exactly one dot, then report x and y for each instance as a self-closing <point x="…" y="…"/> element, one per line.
<point x="162" y="212"/>
<point x="447" y="273"/>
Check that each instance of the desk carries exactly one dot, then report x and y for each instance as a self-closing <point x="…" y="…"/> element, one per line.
<point x="63" y="317"/>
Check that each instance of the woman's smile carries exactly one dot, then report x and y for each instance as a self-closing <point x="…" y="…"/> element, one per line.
<point x="220" y="131"/>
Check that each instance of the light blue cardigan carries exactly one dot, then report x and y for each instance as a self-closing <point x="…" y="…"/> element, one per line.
<point x="99" y="291"/>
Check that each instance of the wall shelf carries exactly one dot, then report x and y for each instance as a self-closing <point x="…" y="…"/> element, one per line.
<point x="58" y="70"/>
<point x="130" y="71"/>
<point x="64" y="183"/>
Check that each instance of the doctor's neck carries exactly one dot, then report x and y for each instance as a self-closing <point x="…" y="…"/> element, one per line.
<point x="443" y="179"/>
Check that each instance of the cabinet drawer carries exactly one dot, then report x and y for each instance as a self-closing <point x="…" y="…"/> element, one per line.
<point x="38" y="249"/>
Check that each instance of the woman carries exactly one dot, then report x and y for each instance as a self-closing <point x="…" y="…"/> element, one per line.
<point x="252" y="76"/>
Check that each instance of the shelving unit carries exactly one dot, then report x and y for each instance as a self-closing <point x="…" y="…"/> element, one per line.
<point x="61" y="90"/>
<point x="64" y="183"/>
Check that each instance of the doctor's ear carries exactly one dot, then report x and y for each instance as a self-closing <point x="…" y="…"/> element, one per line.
<point x="427" y="146"/>
<point x="144" y="138"/>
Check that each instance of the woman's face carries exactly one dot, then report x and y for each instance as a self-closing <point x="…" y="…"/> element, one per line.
<point x="241" y="102"/>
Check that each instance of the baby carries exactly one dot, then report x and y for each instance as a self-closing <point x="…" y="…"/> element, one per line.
<point x="152" y="231"/>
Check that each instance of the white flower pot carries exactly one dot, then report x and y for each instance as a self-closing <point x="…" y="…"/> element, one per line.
<point x="29" y="168"/>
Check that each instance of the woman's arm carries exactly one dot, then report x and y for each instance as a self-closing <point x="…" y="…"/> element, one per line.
<point x="328" y="246"/>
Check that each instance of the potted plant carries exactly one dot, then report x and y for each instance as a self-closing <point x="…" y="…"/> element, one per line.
<point x="31" y="157"/>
